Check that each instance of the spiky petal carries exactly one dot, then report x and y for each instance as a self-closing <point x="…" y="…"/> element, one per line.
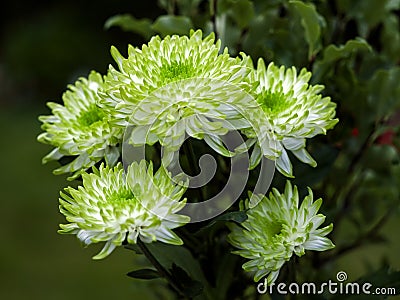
<point x="80" y="129"/>
<point x="276" y="229"/>
<point x="111" y="207"/>
<point x="291" y="111"/>
<point x="178" y="85"/>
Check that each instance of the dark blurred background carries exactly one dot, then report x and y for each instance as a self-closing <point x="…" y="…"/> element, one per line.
<point x="44" y="45"/>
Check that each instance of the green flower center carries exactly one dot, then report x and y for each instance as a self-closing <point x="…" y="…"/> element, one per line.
<point x="176" y="71"/>
<point x="92" y="115"/>
<point x="274" y="102"/>
<point x="121" y="197"/>
<point x="274" y="228"/>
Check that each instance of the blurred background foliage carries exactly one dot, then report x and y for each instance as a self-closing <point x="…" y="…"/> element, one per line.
<point x="351" y="46"/>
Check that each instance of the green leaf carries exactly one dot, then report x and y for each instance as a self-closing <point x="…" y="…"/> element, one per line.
<point x="306" y="175"/>
<point x="380" y="157"/>
<point x="190" y="287"/>
<point x="368" y="14"/>
<point x="311" y="22"/>
<point x="188" y="7"/>
<point x="241" y="11"/>
<point x="333" y="53"/>
<point x="129" y="23"/>
<point x="167" y="25"/>
<point x="144" y="274"/>
<point x="235" y="216"/>
<point x="134" y="248"/>
<point x="384" y="92"/>
<point x="390" y="38"/>
<point x="168" y="255"/>
<point x="111" y="155"/>
<point x="383" y="277"/>
<point x="225" y="274"/>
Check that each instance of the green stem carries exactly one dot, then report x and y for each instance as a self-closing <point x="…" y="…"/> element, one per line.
<point x="190" y="239"/>
<point x="344" y="194"/>
<point x="161" y="270"/>
<point x="213" y="13"/>
<point x="363" y="239"/>
<point x="192" y="161"/>
<point x="171" y="7"/>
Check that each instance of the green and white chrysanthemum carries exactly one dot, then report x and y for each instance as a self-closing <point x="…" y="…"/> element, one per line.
<point x="178" y="85"/>
<point x="80" y="128"/>
<point x="112" y="207"/>
<point x="199" y="108"/>
<point x="292" y="110"/>
<point x="276" y="228"/>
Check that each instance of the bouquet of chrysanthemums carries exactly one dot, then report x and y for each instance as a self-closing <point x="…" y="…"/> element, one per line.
<point x="175" y="149"/>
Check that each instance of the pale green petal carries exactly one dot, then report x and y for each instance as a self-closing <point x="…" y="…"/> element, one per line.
<point x="304" y="157"/>
<point x="255" y="158"/>
<point x="293" y="110"/>
<point x="217" y="145"/>
<point x="179" y="85"/>
<point x="80" y="129"/>
<point x="112" y="206"/>
<point x="105" y="251"/>
<point x="276" y="229"/>
<point x="319" y="243"/>
<point x="284" y="165"/>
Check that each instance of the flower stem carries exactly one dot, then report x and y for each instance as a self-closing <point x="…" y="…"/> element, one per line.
<point x="192" y="161"/>
<point x="213" y="13"/>
<point x="161" y="270"/>
<point x="344" y="195"/>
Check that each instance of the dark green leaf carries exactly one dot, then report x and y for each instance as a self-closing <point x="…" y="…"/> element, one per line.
<point x="168" y="255"/>
<point x="390" y="38"/>
<point x="172" y="25"/>
<point x="306" y="175"/>
<point x="133" y="247"/>
<point x="384" y="92"/>
<point x="380" y="157"/>
<point x="129" y="23"/>
<point x="190" y="287"/>
<point x="241" y="11"/>
<point x="312" y="23"/>
<point x="225" y="274"/>
<point x="333" y="53"/>
<point x="228" y="33"/>
<point x="367" y="13"/>
<point x="144" y="274"/>
<point x="383" y="277"/>
<point x="235" y="216"/>
<point x="188" y="7"/>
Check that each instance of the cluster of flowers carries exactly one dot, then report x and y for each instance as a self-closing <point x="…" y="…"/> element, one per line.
<point x="172" y="88"/>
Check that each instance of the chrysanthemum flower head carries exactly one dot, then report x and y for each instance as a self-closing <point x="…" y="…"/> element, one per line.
<point x="199" y="108"/>
<point x="276" y="228"/>
<point x="178" y="85"/>
<point x="80" y="128"/>
<point x="112" y="207"/>
<point x="292" y="110"/>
